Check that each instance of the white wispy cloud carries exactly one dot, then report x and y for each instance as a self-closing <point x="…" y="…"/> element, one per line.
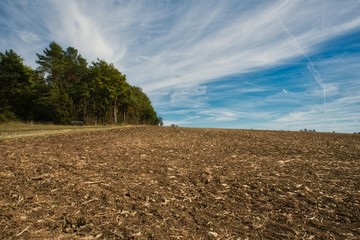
<point x="161" y="45"/>
<point x="77" y="28"/>
<point x="198" y="48"/>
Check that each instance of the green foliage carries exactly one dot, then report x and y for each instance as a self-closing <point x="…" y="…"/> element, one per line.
<point x="64" y="88"/>
<point x="140" y="110"/>
<point x="16" y="81"/>
<point x="3" y="119"/>
<point x="7" y="117"/>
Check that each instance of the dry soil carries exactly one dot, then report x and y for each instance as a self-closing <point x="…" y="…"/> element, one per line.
<point x="180" y="183"/>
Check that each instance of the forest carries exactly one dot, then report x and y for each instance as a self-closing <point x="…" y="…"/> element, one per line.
<point x="65" y="88"/>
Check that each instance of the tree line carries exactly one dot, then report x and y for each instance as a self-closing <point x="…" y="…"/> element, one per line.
<point x="64" y="88"/>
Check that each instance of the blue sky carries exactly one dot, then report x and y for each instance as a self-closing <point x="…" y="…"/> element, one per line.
<point x="284" y="65"/>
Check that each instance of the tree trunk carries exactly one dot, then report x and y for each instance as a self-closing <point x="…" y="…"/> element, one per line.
<point x="85" y="115"/>
<point x="115" y="110"/>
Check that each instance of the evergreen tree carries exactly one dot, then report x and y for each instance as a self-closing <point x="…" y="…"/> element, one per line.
<point x="51" y="63"/>
<point x="64" y="73"/>
<point x="75" y="82"/>
<point x="16" y="81"/>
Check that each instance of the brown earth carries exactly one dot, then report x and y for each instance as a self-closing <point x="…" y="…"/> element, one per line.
<point x="180" y="183"/>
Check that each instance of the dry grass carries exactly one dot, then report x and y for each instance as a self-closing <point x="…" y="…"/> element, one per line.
<point x="20" y="130"/>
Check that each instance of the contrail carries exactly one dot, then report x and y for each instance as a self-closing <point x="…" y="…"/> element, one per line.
<point x="311" y="66"/>
<point x="323" y="16"/>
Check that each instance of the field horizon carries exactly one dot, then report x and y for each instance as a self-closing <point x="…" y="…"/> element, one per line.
<point x="13" y="129"/>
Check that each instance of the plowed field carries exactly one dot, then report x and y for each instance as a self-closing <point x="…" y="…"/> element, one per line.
<point x="180" y="183"/>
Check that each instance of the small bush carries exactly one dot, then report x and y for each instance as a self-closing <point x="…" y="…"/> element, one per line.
<point x="3" y="119"/>
<point x="7" y="116"/>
